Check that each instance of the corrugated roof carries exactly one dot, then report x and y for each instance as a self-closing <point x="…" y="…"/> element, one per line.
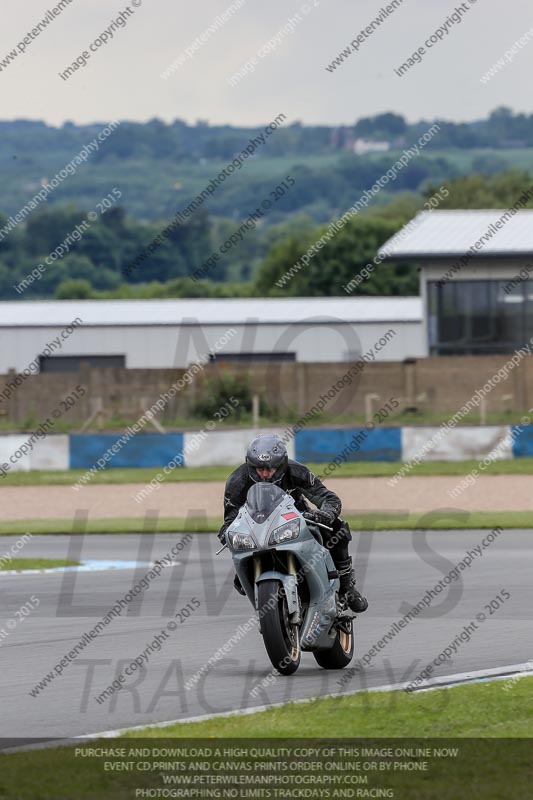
<point x="59" y="313"/>
<point x="453" y="233"/>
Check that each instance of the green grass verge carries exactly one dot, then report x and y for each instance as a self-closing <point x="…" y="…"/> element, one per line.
<point x="422" y="418"/>
<point x="440" y="520"/>
<point x="433" y="520"/>
<point x="353" y="469"/>
<point x="55" y="526"/>
<point x="467" y="718"/>
<point x="37" y="563"/>
<point x="477" y="710"/>
<point x="113" y="476"/>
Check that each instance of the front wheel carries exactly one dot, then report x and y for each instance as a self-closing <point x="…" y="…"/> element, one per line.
<point x="281" y="637"/>
<point x="340" y="655"/>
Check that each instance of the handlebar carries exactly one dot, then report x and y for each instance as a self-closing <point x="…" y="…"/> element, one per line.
<point x="221" y="549"/>
<point x="321" y="525"/>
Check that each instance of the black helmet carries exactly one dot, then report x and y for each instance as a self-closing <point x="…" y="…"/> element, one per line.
<point x="267" y="450"/>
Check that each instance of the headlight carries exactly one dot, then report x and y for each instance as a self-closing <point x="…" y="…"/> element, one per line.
<point x="242" y="541"/>
<point x="291" y="530"/>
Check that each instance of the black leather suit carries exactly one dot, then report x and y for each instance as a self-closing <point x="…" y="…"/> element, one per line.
<point x="302" y="485"/>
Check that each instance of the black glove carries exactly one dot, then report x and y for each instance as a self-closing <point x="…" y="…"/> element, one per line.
<point x="324" y="517"/>
<point x="222" y="535"/>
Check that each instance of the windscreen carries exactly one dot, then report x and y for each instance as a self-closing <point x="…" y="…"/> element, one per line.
<point x="262" y="499"/>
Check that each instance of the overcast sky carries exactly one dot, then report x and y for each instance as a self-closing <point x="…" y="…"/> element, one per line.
<point x="122" y="80"/>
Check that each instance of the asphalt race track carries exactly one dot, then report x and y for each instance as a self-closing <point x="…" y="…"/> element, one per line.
<point x="400" y="568"/>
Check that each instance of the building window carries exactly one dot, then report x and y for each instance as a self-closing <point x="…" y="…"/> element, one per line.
<point x="477" y="317"/>
<point x="73" y="363"/>
<point x="252" y="357"/>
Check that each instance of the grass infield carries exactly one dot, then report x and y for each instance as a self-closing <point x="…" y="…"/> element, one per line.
<point x="37" y="563"/>
<point x="433" y="520"/>
<point x="476" y="710"/>
<point x="352" y="469"/>
<point x="490" y="728"/>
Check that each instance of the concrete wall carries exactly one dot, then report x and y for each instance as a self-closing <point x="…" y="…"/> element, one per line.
<point x="441" y="384"/>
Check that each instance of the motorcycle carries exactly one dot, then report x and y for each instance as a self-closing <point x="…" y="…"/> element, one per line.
<point x="291" y="580"/>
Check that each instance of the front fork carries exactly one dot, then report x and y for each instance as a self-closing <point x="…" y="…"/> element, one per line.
<point x="295" y="617"/>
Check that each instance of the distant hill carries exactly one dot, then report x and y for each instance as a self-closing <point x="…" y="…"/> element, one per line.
<point x="161" y="167"/>
<point x="164" y="210"/>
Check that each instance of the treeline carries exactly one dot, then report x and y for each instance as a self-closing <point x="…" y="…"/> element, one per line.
<point x="159" y="168"/>
<point x="98" y="263"/>
<point x="179" y="141"/>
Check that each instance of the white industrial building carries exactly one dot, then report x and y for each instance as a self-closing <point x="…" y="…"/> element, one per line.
<point x="476" y="278"/>
<point x="476" y="285"/>
<point x="175" y="333"/>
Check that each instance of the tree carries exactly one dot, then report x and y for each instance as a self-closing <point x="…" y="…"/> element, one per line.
<point x="115" y="219"/>
<point x="101" y="246"/>
<point x="479" y="191"/>
<point x="74" y="290"/>
<point x="384" y="126"/>
<point x="47" y="229"/>
<point x="337" y="263"/>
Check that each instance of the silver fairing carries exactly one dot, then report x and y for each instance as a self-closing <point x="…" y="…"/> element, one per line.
<point x="313" y="560"/>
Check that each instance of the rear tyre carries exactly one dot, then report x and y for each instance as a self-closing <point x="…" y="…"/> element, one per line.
<point x="340" y="655"/>
<point x="281" y="638"/>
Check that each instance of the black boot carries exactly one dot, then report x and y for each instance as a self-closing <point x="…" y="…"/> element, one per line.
<point x="238" y="585"/>
<point x="347" y="590"/>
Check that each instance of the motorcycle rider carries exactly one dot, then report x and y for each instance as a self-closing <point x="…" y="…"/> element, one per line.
<point x="267" y="460"/>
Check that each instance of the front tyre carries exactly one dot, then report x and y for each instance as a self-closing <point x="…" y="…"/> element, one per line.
<point x="340" y="655"/>
<point x="281" y="637"/>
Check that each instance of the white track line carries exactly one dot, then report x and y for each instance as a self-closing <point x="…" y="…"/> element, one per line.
<point x="476" y="676"/>
<point x="498" y="673"/>
<point x="90" y="565"/>
<point x="446" y="681"/>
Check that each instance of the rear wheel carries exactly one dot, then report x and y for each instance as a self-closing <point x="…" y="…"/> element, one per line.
<point x="281" y="637"/>
<point x="340" y="655"/>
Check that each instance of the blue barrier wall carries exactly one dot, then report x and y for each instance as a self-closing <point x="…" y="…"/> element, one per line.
<point x="356" y="444"/>
<point x="319" y="445"/>
<point x="522" y="437"/>
<point x="143" y="450"/>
